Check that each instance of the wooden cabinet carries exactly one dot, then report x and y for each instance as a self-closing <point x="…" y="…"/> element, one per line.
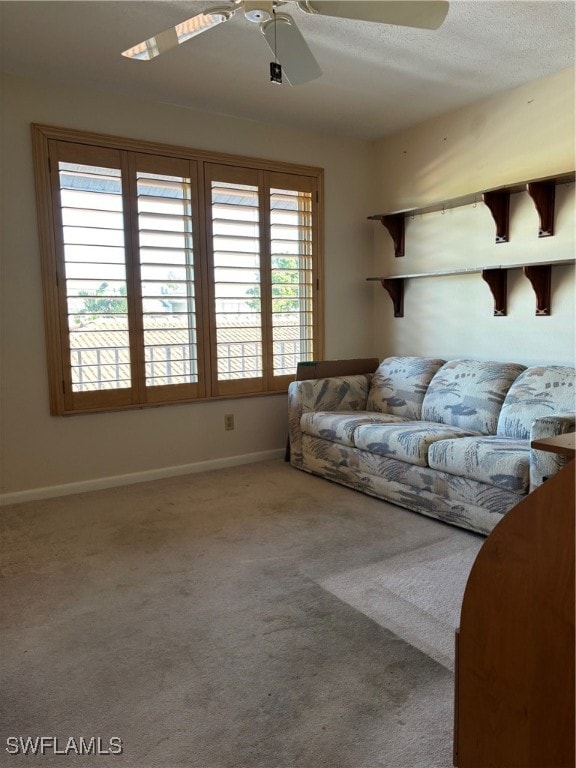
<point x="514" y="686"/>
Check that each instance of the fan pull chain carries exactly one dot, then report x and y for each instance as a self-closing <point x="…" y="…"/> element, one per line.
<point x="275" y="66"/>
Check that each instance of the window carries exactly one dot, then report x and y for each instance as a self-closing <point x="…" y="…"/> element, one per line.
<point x="172" y="275"/>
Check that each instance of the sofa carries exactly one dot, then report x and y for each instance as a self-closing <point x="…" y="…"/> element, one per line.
<point x="448" y="439"/>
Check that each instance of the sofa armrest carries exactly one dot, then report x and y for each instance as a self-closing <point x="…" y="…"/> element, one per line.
<point x="338" y="393"/>
<point x="542" y="463"/>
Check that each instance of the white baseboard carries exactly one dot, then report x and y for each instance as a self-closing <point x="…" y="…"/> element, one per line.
<point x="51" y="491"/>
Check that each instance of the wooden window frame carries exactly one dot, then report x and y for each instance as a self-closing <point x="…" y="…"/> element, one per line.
<point x="62" y="400"/>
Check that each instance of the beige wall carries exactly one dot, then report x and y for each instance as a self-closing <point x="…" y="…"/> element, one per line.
<point x="523" y="134"/>
<point x="526" y="133"/>
<point x="39" y="450"/>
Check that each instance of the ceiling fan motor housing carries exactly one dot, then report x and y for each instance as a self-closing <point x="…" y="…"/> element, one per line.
<point x="258" y="11"/>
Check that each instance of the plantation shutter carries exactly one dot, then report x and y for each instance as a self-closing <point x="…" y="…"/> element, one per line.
<point x="91" y="248"/>
<point x="168" y="277"/>
<point x="237" y="253"/>
<point x="293" y="276"/>
<point x="171" y="275"/>
<point x="263" y="234"/>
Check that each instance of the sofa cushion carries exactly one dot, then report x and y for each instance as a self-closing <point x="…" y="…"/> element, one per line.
<point x="469" y="394"/>
<point x="503" y="462"/>
<point x="340" y="426"/>
<point x="539" y="391"/>
<point x="408" y="441"/>
<point x="399" y="384"/>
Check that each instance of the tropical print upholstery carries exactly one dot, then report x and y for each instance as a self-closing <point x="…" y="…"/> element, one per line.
<point x="539" y="391"/>
<point x="468" y="466"/>
<point x="469" y="394"/>
<point x="544" y="464"/>
<point x="341" y="426"/>
<point x="399" y="385"/>
<point x="500" y="461"/>
<point x="408" y="441"/>
<point x="453" y="499"/>
<point x="338" y="393"/>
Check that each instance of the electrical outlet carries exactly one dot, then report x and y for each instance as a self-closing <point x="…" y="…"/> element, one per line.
<point x="229" y="421"/>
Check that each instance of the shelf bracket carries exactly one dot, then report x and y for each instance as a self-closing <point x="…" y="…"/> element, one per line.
<point x="497" y="280"/>
<point x="395" y="290"/>
<point x="394" y="223"/>
<point x="543" y="194"/>
<point x="499" y="204"/>
<point x="540" y="277"/>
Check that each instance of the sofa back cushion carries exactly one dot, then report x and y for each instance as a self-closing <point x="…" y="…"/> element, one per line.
<point x="399" y="385"/>
<point x="539" y="391"/>
<point x="469" y="394"/>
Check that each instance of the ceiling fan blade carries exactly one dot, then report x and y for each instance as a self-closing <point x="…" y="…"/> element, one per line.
<point x="423" y="14"/>
<point x="290" y="49"/>
<point x="171" y="38"/>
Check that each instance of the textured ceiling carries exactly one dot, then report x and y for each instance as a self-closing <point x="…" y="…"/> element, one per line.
<point x="377" y="79"/>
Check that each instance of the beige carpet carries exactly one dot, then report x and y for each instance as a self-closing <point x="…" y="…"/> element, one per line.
<point x="244" y="618"/>
<point x="417" y="595"/>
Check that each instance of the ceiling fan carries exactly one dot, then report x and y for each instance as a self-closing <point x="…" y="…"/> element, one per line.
<point x="291" y="52"/>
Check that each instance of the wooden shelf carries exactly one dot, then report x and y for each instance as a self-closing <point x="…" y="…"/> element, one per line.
<point x="496" y="276"/>
<point x="542" y="191"/>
